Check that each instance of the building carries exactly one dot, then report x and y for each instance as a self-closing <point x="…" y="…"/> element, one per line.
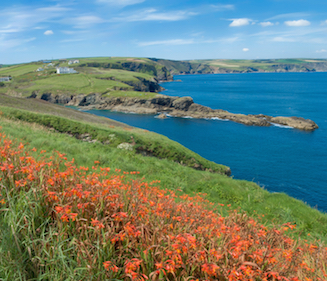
<point x="65" y="70"/>
<point x="73" y="61"/>
<point x="5" y="79"/>
<point x="40" y="69"/>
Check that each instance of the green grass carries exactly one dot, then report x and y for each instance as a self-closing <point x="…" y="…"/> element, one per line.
<point x="145" y="142"/>
<point x="101" y="79"/>
<point x="245" y="195"/>
<point x="18" y="70"/>
<point x="122" y="75"/>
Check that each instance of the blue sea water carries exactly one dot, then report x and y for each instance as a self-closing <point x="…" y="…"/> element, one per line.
<point x="278" y="158"/>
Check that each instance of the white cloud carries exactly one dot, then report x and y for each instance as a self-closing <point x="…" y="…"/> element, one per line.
<point x="53" y="9"/>
<point x="121" y="2"/>
<point x="10" y="43"/>
<point x="72" y="40"/>
<point x="321" y="51"/>
<point x="297" y="23"/>
<point x="283" y="39"/>
<point x="289" y="15"/>
<point x="85" y="21"/>
<point x="222" y="7"/>
<point x="154" y="15"/>
<point x="245" y="49"/>
<point x="48" y="32"/>
<point x="266" y="23"/>
<point x="168" y="42"/>
<point x="240" y="22"/>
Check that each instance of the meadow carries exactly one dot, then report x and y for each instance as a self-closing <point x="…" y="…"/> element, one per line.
<point x="63" y="221"/>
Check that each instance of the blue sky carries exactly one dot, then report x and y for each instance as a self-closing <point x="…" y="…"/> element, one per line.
<point x="172" y="29"/>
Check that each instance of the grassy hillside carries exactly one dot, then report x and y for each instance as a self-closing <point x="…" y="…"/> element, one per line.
<point x="61" y="221"/>
<point x="108" y="76"/>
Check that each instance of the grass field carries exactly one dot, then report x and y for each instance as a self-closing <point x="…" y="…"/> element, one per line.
<point x="63" y="221"/>
<point x="18" y="70"/>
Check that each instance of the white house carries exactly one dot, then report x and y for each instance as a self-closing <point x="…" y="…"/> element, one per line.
<point x="40" y="69"/>
<point x="65" y="70"/>
<point x="73" y="61"/>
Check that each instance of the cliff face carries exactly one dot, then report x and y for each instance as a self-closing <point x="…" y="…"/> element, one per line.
<point x="207" y="67"/>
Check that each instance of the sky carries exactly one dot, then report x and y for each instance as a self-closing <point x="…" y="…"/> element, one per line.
<point x="171" y="29"/>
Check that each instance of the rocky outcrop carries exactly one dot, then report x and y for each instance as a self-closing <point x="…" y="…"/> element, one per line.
<point x="145" y="85"/>
<point x="184" y="107"/>
<point x="59" y="99"/>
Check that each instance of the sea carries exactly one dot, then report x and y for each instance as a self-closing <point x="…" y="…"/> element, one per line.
<point x="278" y="158"/>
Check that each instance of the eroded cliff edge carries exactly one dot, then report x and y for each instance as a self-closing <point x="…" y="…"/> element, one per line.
<point x="182" y="107"/>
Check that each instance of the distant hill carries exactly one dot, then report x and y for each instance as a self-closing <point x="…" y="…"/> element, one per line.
<point x="243" y="66"/>
<point x="127" y="77"/>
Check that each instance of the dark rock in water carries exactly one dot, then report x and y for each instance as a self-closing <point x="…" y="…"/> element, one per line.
<point x="162" y="116"/>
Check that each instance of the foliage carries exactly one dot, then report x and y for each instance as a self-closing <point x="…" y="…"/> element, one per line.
<point x="64" y="222"/>
<point x="248" y="196"/>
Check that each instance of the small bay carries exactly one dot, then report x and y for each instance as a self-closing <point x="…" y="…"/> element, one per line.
<point x="278" y="158"/>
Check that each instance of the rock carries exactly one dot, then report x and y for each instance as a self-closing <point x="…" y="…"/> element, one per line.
<point x="125" y="146"/>
<point x="182" y="103"/>
<point x="295" y="122"/>
<point x="175" y="106"/>
<point x="162" y="116"/>
<point x="59" y="99"/>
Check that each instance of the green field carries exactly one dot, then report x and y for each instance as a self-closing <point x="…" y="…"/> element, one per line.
<point x="18" y="70"/>
<point x="106" y="81"/>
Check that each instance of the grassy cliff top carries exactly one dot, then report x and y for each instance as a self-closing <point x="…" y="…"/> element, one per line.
<point x="107" y="76"/>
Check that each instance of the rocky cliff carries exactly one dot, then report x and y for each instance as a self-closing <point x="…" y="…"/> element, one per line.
<point x="234" y="66"/>
<point x="178" y="107"/>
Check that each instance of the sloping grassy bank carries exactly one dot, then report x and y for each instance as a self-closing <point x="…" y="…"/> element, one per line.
<point x="245" y="195"/>
<point x="62" y="221"/>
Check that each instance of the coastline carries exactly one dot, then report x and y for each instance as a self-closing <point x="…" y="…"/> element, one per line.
<point x="184" y="107"/>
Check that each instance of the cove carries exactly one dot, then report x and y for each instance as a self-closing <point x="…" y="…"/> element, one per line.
<point x="278" y="158"/>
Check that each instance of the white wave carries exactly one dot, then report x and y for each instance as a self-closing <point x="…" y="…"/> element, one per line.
<point x="187" y="117"/>
<point x="220" y="119"/>
<point x="281" y="126"/>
